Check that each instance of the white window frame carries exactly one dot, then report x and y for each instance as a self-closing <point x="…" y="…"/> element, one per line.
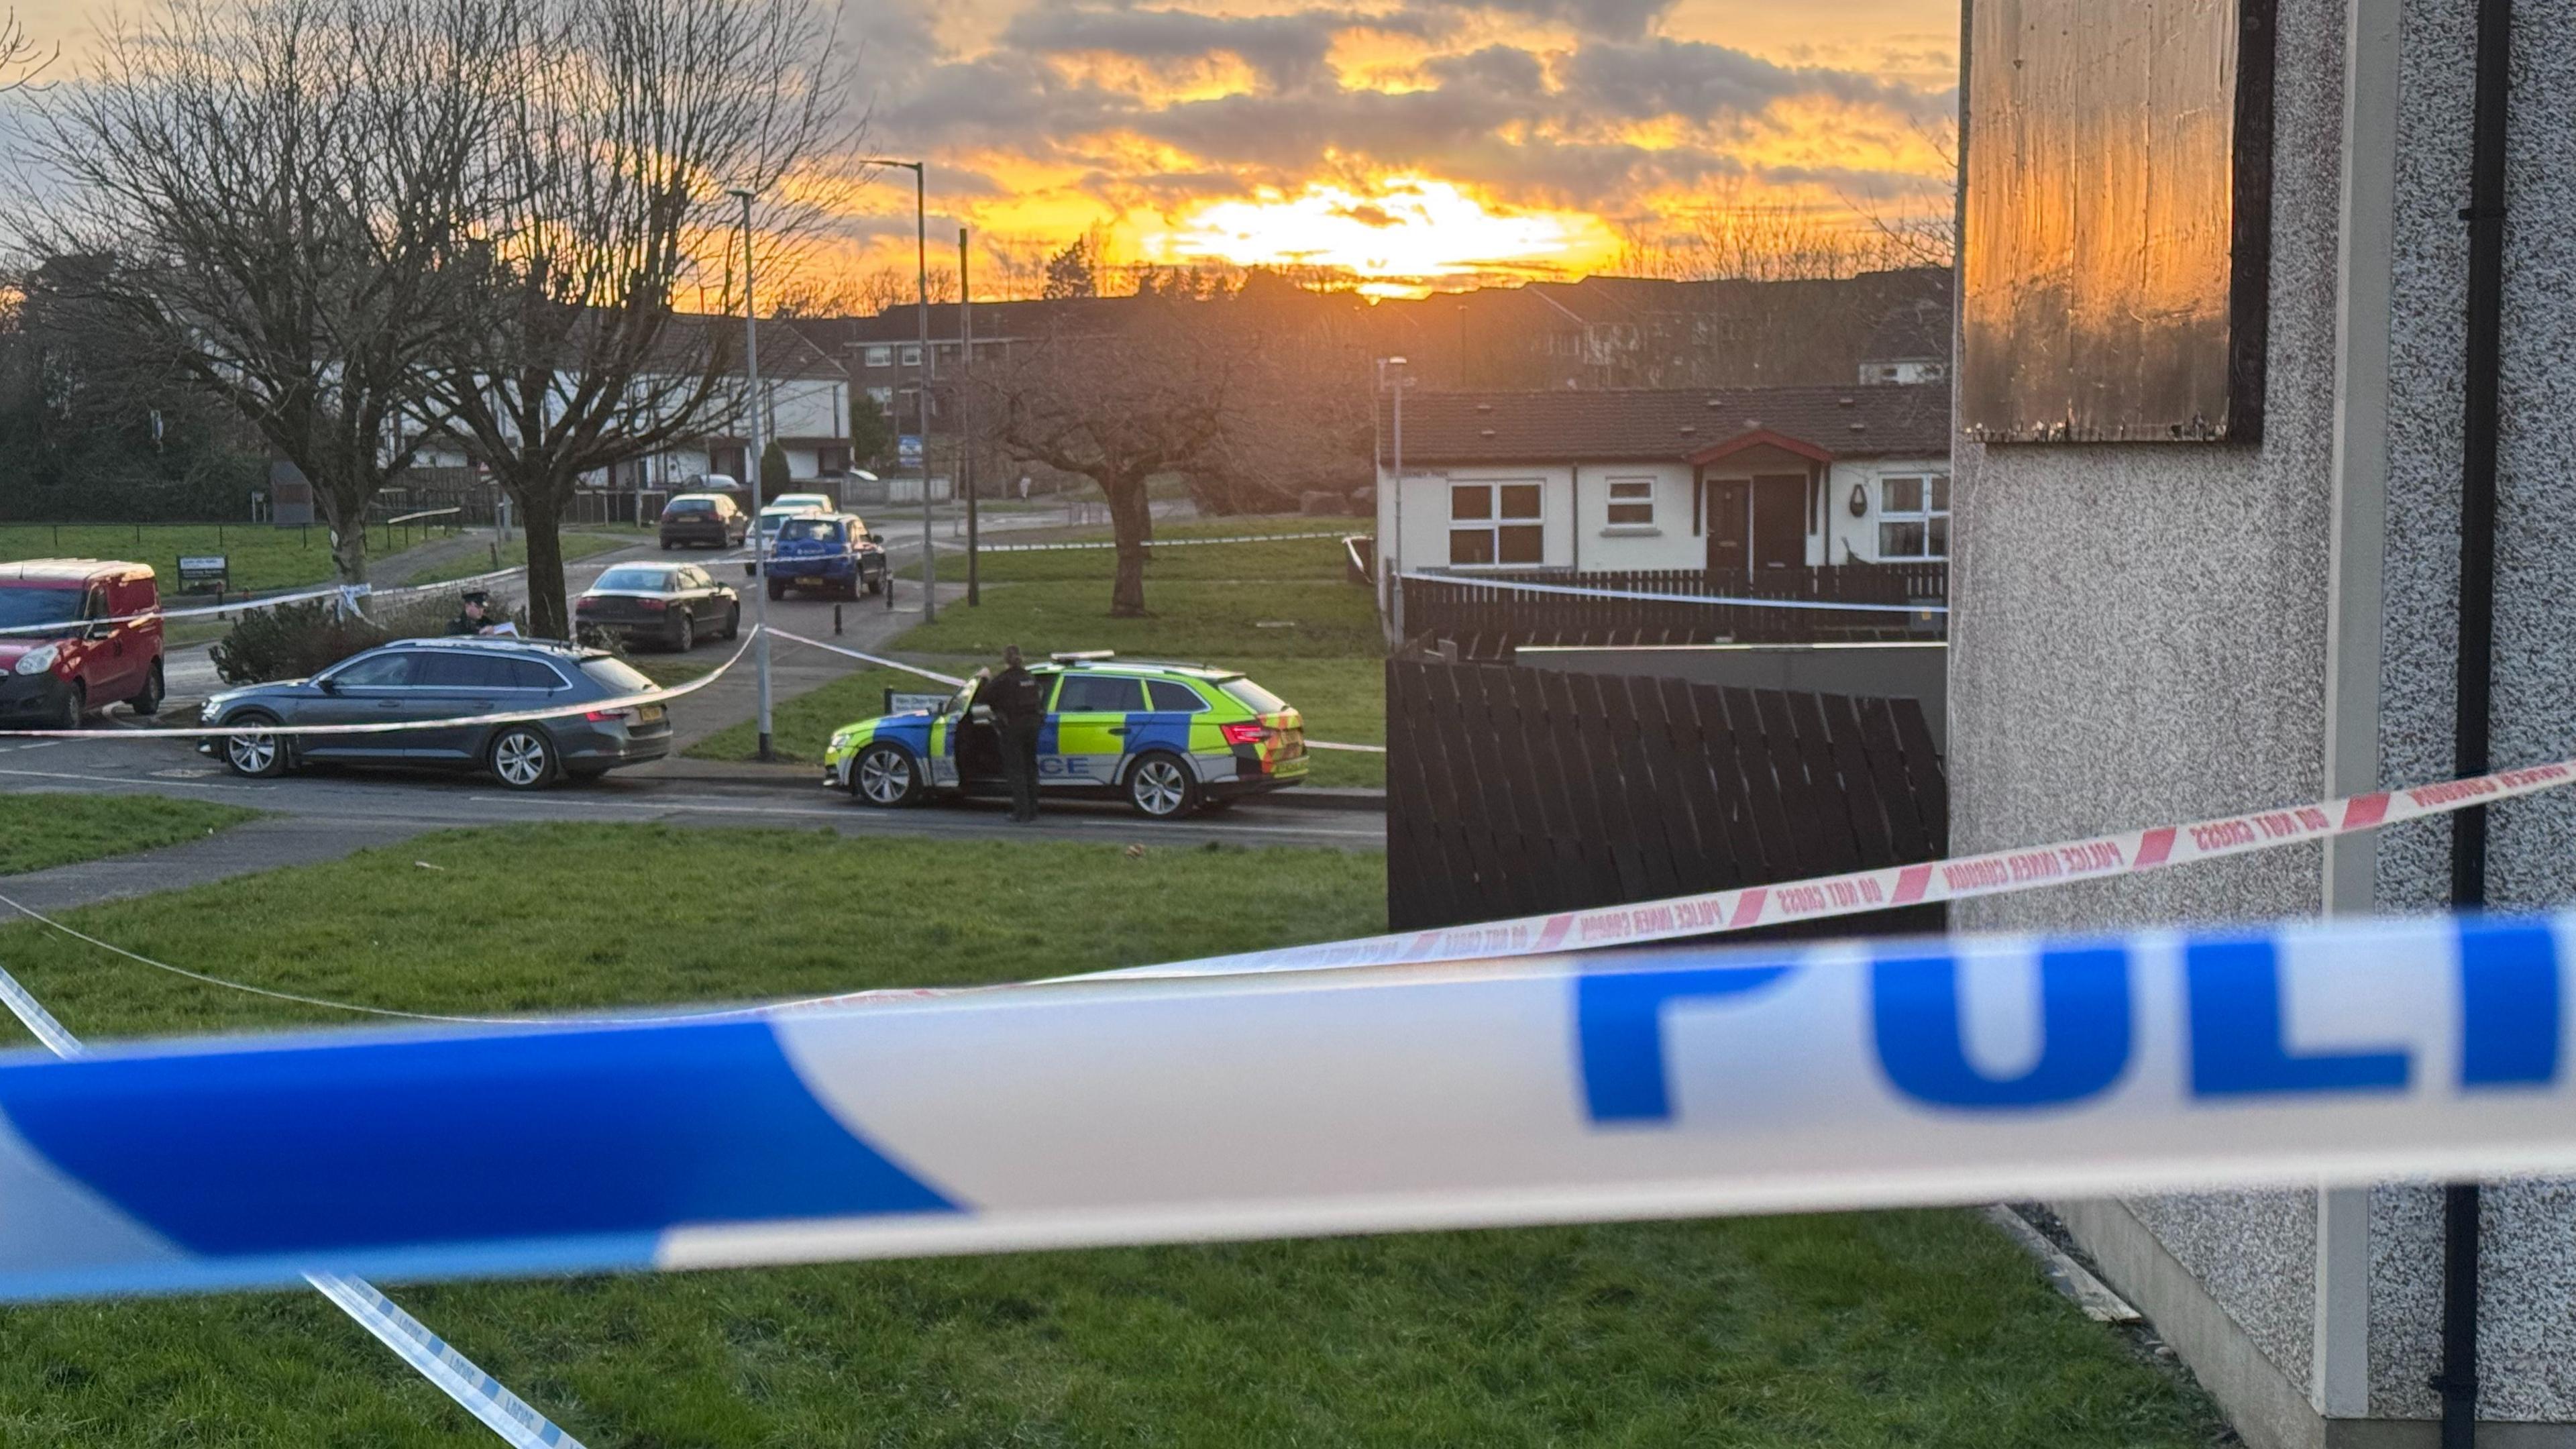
<point x="1493" y="524"/>
<point x="880" y="357"/>
<point x="912" y="354"/>
<point x="883" y="397"/>
<point x="1927" y="485"/>
<point x="1638" y="504"/>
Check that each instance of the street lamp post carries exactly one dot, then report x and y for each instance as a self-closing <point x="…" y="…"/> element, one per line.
<point x="1395" y="558"/>
<point x="751" y="457"/>
<point x="921" y="402"/>
<point x="965" y="401"/>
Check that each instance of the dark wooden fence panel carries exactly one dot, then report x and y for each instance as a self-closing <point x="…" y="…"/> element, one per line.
<point x="1514" y="792"/>
<point x="1487" y="620"/>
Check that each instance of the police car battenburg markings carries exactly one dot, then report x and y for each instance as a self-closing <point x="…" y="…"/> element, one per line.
<point x="1539" y="1090"/>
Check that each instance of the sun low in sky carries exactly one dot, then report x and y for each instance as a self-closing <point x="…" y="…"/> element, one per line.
<point x="1405" y="231"/>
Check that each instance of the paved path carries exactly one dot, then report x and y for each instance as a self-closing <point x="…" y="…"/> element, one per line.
<point x="254" y="845"/>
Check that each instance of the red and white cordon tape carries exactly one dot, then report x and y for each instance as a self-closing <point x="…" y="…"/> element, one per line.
<point x="1964" y="877"/>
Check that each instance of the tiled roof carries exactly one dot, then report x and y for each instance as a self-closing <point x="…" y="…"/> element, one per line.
<point x="1651" y="426"/>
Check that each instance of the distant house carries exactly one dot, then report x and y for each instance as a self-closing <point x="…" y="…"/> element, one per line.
<point x="804" y="402"/>
<point x="1619" y="480"/>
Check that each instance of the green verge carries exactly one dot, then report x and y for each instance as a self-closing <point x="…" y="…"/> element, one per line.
<point x="41" y="831"/>
<point x="576" y="546"/>
<point x="1289" y="558"/>
<point x="1920" y="1328"/>
<point x="1229" y="623"/>
<point x="260" y="557"/>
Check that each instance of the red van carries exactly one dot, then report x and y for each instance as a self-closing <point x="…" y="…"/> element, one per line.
<point x="62" y="653"/>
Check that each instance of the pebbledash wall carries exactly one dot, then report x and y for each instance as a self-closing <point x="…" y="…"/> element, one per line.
<point x="2145" y="633"/>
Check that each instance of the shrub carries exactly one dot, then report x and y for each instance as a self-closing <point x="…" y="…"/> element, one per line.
<point x="296" y="641"/>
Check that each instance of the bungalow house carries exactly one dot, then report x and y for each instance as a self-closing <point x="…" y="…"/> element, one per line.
<point x="1688" y="479"/>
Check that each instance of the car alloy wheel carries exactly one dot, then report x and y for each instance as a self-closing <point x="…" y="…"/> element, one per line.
<point x="257" y="753"/>
<point x="1160" y="786"/>
<point x="733" y="622"/>
<point x="882" y="776"/>
<point x="685" y="637"/>
<point x="523" y="759"/>
<point x="154" y="691"/>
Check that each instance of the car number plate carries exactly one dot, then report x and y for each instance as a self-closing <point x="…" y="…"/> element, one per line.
<point x="649" y="713"/>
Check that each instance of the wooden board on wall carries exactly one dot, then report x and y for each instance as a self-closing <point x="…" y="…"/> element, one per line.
<point x="2115" y="220"/>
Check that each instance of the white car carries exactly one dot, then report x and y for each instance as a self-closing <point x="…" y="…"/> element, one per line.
<point x="816" y="502"/>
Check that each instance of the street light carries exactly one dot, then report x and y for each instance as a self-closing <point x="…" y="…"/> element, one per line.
<point x="921" y="406"/>
<point x="1394" y="560"/>
<point x="751" y="456"/>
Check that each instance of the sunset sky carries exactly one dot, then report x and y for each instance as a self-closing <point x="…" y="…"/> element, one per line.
<point x="1400" y="138"/>
<point x="1408" y="140"/>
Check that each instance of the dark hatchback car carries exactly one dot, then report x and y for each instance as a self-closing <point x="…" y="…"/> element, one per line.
<point x="448" y="679"/>
<point x="674" y="605"/>
<point x="708" y="520"/>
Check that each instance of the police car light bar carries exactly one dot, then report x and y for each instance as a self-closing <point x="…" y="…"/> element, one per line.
<point x="1082" y="656"/>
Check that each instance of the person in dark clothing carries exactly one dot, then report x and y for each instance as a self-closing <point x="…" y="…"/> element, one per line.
<point x="1018" y="702"/>
<point x="470" y="617"/>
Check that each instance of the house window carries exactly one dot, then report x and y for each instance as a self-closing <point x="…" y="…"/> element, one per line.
<point x="883" y="397"/>
<point x="1913" y="518"/>
<point x="1632" y="502"/>
<point x="912" y="356"/>
<point x="880" y="357"/>
<point x="832" y="458"/>
<point x="1495" y="523"/>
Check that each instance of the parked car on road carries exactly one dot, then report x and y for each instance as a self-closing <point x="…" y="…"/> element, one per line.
<point x="674" y="605"/>
<point x="708" y="520"/>
<point x="1169" y="739"/>
<point x="450" y="679"/>
<point x="818" y="502"/>
<point x="69" y="643"/>
<point x="830" y="552"/>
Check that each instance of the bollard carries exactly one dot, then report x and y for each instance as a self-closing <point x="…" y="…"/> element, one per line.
<point x="836" y="620"/>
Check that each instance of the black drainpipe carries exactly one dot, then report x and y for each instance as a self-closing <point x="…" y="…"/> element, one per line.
<point x="2458" y="1381"/>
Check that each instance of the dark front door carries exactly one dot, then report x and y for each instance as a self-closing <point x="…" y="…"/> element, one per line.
<point x="1727" y="521"/>
<point x="1780" y="521"/>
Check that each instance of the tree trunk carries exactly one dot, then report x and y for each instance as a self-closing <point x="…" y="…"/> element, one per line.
<point x="347" y="519"/>
<point x="1131" y="520"/>
<point x="541" y="520"/>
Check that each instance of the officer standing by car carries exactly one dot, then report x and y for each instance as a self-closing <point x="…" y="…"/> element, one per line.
<point x="1018" y="702"/>
<point x="469" y="615"/>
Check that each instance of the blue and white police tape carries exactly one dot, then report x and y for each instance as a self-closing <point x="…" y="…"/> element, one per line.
<point x="1576" y="591"/>
<point x="220" y="730"/>
<point x="951" y="680"/>
<point x="347" y="594"/>
<point x="480" y="1394"/>
<point x="1540" y="1090"/>
<point x="1154" y="542"/>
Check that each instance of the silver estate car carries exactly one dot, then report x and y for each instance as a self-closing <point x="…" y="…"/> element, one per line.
<point x="446" y="679"/>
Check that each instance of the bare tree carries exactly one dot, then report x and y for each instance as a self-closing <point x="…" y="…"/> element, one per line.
<point x="1117" y="409"/>
<point x="274" y="194"/>
<point x="857" y="294"/>
<point x="631" y="120"/>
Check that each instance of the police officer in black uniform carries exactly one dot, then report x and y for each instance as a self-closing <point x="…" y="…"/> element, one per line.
<point x="470" y="617"/>
<point x="1018" y="702"/>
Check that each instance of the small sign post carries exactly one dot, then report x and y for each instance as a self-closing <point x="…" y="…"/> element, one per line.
<point x="204" y="573"/>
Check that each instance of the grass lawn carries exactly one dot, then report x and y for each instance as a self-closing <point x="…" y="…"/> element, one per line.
<point x="1291" y="558"/>
<point x="575" y="546"/>
<point x="1923" y="1328"/>
<point x="1200" y="621"/>
<point x="262" y="557"/>
<point x="38" y="831"/>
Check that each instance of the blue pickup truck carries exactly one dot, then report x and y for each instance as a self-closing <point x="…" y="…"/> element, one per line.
<point x="830" y="553"/>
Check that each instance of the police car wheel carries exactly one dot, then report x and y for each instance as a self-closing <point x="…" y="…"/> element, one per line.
<point x="883" y="776"/>
<point x="1162" y="788"/>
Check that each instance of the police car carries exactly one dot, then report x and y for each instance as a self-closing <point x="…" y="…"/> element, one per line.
<point x="1169" y="739"/>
